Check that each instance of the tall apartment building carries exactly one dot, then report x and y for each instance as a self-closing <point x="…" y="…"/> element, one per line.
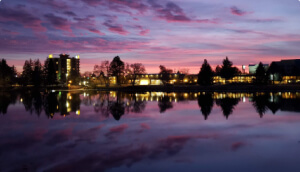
<point x="66" y="68"/>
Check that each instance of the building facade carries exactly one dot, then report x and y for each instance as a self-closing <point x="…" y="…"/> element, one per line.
<point x="66" y="68"/>
<point x="253" y="67"/>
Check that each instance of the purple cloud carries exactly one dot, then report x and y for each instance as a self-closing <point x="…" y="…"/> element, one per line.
<point x="70" y="13"/>
<point x="116" y="28"/>
<point x="58" y="22"/>
<point x="237" y="11"/>
<point x="22" y="17"/>
<point x="171" y="12"/>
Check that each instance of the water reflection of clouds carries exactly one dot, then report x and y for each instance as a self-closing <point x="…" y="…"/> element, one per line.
<point x="179" y="136"/>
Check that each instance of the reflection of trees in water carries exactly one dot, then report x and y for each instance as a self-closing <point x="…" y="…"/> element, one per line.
<point x="263" y="102"/>
<point x="135" y="105"/>
<point x="260" y="103"/>
<point x="227" y="105"/>
<point x="117" y="108"/>
<point x="102" y="104"/>
<point x="206" y="103"/>
<point x="33" y="101"/>
<point x="118" y="105"/>
<point x="275" y="103"/>
<point x="164" y="104"/>
<point x="7" y="98"/>
<point x="51" y="104"/>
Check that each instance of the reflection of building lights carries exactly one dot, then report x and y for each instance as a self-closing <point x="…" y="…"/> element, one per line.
<point x="57" y="107"/>
<point x="78" y="112"/>
<point x="244" y="99"/>
<point x="67" y="104"/>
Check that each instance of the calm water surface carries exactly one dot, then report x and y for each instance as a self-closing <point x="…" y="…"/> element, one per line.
<point x="115" y="131"/>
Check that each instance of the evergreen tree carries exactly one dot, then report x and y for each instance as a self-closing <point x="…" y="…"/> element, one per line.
<point x="49" y="72"/>
<point x="227" y="70"/>
<point x="260" y="74"/>
<point x="27" y="73"/>
<point x="37" y="73"/>
<point x="205" y="76"/>
<point x="7" y="73"/>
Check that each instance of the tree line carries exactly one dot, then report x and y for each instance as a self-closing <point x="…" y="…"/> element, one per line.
<point x="36" y="74"/>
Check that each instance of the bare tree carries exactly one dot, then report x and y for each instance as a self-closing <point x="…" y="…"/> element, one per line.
<point x="105" y="67"/>
<point x="184" y="71"/>
<point x="133" y="70"/>
<point x="165" y="74"/>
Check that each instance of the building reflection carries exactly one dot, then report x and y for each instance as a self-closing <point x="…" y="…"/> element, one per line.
<point x="117" y="104"/>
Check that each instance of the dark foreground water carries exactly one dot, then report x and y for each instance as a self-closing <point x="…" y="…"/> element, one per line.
<point x="114" y="131"/>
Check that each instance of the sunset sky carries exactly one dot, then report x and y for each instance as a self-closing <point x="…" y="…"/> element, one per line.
<point x="174" y="33"/>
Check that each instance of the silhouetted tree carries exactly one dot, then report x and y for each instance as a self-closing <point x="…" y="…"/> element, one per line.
<point x="49" y="72"/>
<point x="260" y="75"/>
<point x="206" y="103"/>
<point x="227" y="71"/>
<point x="218" y="70"/>
<point x="165" y="104"/>
<point x="205" y="76"/>
<point x="227" y="105"/>
<point x="260" y="104"/>
<point x="27" y="72"/>
<point x="164" y="74"/>
<point x="134" y="70"/>
<point x="7" y="73"/>
<point x="37" y="73"/>
<point x="116" y="68"/>
<point x="184" y="71"/>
